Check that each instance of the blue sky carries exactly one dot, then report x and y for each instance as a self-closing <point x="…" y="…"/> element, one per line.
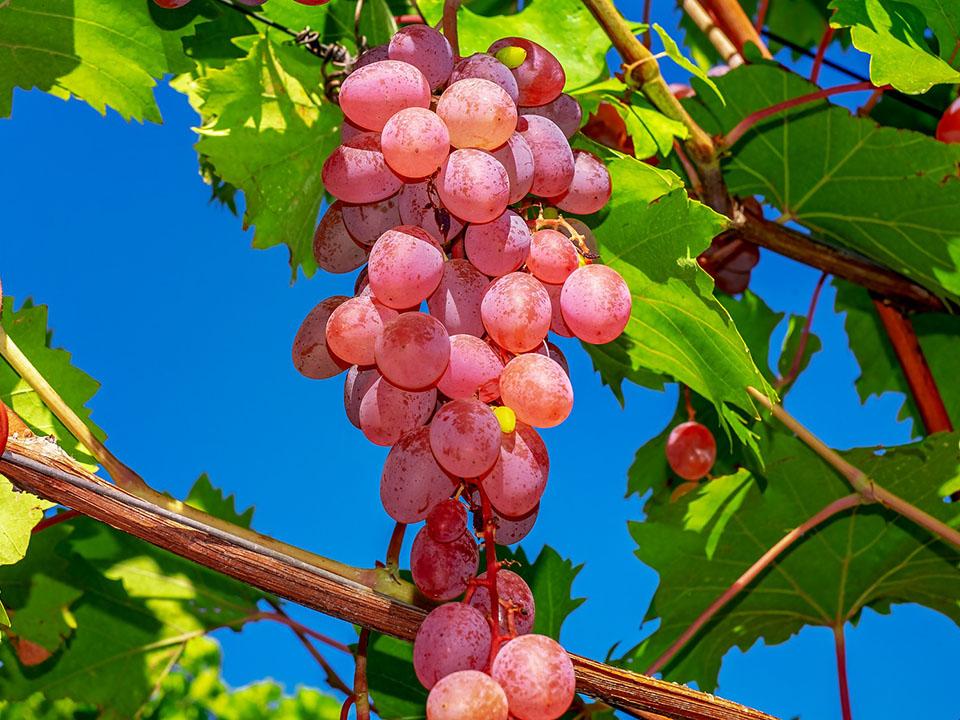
<point x="159" y="296"/>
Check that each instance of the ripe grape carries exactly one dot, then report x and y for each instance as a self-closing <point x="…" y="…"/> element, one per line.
<point x="498" y="247"/>
<point x="171" y="4"/>
<point x="540" y="77"/>
<point x="456" y="301"/>
<point x="413" y="351"/>
<point x="552" y="256"/>
<point x="516" y="483"/>
<point x="452" y="637"/>
<point x="517" y="159"/>
<point x="467" y="695"/>
<point x="691" y="450"/>
<point x="447" y="521"/>
<point x="537" y="389"/>
<point x="513" y="591"/>
<point x="513" y="530"/>
<point x="442" y="571"/>
<point x="387" y="412"/>
<point x="478" y="113"/>
<point x="729" y="261"/>
<point x="415" y="142"/>
<point x="537" y="675"/>
<point x="313" y="2"/>
<point x="348" y="131"/>
<point x="355" y="386"/>
<point x="590" y="188"/>
<point x="548" y="349"/>
<point x="465" y="438"/>
<point x="374" y="54"/>
<point x="473" y="185"/>
<point x="333" y="248"/>
<point x="473" y="372"/>
<point x="311" y="356"/>
<point x="374" y="93"/>
<point x="557" y="323"/>
<point x="357" y="173"/>
<point x="486" y="67"/>
<point x="412" y="484"/>
<point x="596" y="303"/>
<point x="565" y="111"/>
<point x="948" y="129"/>
<point x="516" y="312"/>
<point x="420" y="205"/>
<point x="552" y="157"/>
<point x="367" y="222"/>
<point x="354" y="328"/>
<point x="405" y="266"/>
<point x="426" y="49"/>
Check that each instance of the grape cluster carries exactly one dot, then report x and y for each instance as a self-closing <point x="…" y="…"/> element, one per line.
<point x="452" y="182"/>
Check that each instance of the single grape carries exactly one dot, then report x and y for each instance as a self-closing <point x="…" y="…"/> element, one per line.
<point x="405" y="266"/>
<point x="730" y="261"/>
<point x="537" y="675"/>
<point x="478" y="113"/>
<point x="441" y="571"/>
<point x="311" y="356"/>
<point x="596" y="303"/>
<point x="473" y="372"/>
<point x="581" y="234"/>
<point x="355" y="386"/>
<point x="557" y="323"/>
<point x="590" y="188"/>
<point x="415" y="142"/>
<point x="517" y="159"/>
<point x="313" y="2"/>
<point x="465" y="437"/>
<point x="447" y="521"/>
<point x="516" y="312"/>
<point x="366" y="223"/>
<point x="420" y="205"/>
<point x="467" y="695"/>
<point x="473" y="185"/>
<point x="691" y="450"/>
<point x="506" y="417"/>
<point x="552" y="157"/>
<point x="333" y="248"/>
<point x="349" y="130"/>
<point x="513" y="592"/>
<point x="537" y="389"/>
<point x="413" y="351"/>
<point x="540" y="77"/>
<point x="565" y="111"/>
<point x="426" y="49"/>
<point x="374" y="54"/>
<point x="500" y="246"/>
<point x="171" y="4"/>
<point x="412" y="484"/>
<point x="456" y="301"/>
<point x="387" y="412"/>
<point x="357" y="173"/>
<point x="552" y="256"/>
<point x="486" y="67"/>
<point x="513" y="530"/>
<point x="516" y="483"/>
<point x="354" y="328"/>
<point x="948" y="129"/>
<point x="452" y="637"/>
<point x="374" y="93"/>
<point x="548" y="349"/>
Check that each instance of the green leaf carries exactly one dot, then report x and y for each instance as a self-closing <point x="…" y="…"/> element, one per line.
<point x="550" y="578"/>
<point x="394" y="686"/>
<point x="212" y="500"/>
<point x="894" y="34"/>
<point x="866" y="557"/>
<point x="887" y="194"/>
<point x="19" y="512"/>
<point x="673" y="52"/>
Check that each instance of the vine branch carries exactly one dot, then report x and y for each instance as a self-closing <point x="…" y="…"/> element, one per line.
<point x="737" y="25"/>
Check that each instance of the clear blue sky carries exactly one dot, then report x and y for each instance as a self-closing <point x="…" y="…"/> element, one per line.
<point x="159" y="296"/>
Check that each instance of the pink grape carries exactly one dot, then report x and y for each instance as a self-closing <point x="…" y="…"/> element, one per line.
<point x="311" y="356"/>
<point x="465" y="437"/>
<point x="517" y="159"/>
<point x="442" y="571"/>
<point x="355" y="386"/>
<point x="171" y="4"/>
<point x="467" y="695"/>
<point x="552" y="256"/>
<point x="498" y="247"/>
<point x="412" y="484"/>
<point x="537" y="389"/>
<point x="420" y="205"/>
<point x="447" y="521"/>
<point x="333" y="248"/>
<point x="374" y="54"/>
<point x="415" y="142"/>
<point x="540" y="77"/>
<point x="348" y="131"/>
<point x="367" y="222"/>
<point x="478" y="113"/>
<point x="426" y="49"/>
<point x="548" y="349"/>
<point x="413" y="351"/>
<point x="516" y="483"/>
<point x="313" y="2"/>
<point x="357" y="173"/>
<point x="405" y="266"/>
<point x="552" y="157"/>
<point x="537" y="675"/>
<point x="473" y="185"/>
<point x="452" y="637"/>
<point x="557" y="323"/>
<point x="512" y="590"/>
<point x="513" y="530"/>
<point x="486" y="67"/>
<point x="374" y="93"/>
<point x="596" y="304"/>
<point x="456" y="301"/>
<point x="387" y="412"/>
<point x="565" y="111"/>
<point x="691" y="450"/>
<point x="354" y="328"/>
<point x="473" y="372"/>
<point x="590" y="188"/>
<point x="516" y="312"/>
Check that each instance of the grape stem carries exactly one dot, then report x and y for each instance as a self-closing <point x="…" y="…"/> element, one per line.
<point x="736" y="25"/>
<point x="761" y="15"/>
<point x="450" y="8"/>
<point x="395" y="546"/>
<point x="840" y="645"/>
<point x="794" y="370"/>
<point x="52" y="520"/>
<point x="821" y="52"/>
<point x="361" y="691"/>
<point x="490" y="551"/>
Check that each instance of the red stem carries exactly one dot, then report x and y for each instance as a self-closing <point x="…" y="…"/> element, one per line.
<point x="345" y="708"/>
<point x="761" y="15"/>
<point x="396" y="544"/>
<point x="646" y="21"/>
<point x="837" y="506"/>
<point x="736" y="25"/>
<point x="821" y="51"/>
<point x="360" y="690"/>
<point x="450" y="8"/>
<point x="52" y="520"/>
<point x="4" y="427"/>
<point x="490" y="549"/>
<point x="753" y="118"/>
<point x="409" y="20"/>
<point x="804" y="337"/>
<point x="691" y="413"/>
<point x="842" y="672"/>
<point x="692" y="175"/>
<point x="284" y="619"/>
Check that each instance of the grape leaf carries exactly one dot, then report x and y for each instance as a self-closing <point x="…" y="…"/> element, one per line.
<point x="20" y="511"/>
<point x="894" y="34"/>
<point x="889" y="194"/>
<point x="204" y="496"/>
<point x="672" y="50"/>
<point x="866" y="557"/>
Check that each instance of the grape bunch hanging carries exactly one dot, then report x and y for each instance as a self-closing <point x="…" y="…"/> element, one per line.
<point x="452" y="179"/>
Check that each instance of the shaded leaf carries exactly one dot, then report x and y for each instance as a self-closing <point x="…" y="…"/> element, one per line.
<point x="19" y="512"/>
